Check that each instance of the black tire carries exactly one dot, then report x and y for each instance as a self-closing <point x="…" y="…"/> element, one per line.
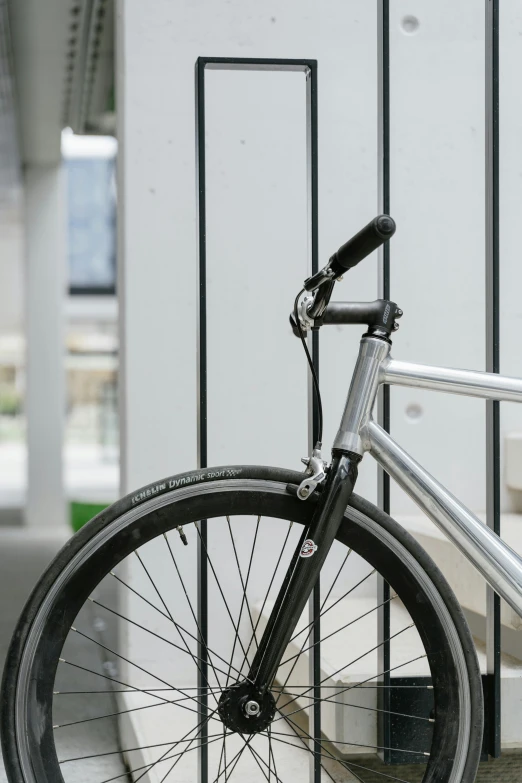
<point x="27" y="688"/>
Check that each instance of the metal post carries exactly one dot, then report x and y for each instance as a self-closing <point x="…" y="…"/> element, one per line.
<point x="309" y="68"/>
<point x="493" y="640"/>
<point x="314" y="605"/>
<point x="383" y="588"/>
<point x="202" y="598"/>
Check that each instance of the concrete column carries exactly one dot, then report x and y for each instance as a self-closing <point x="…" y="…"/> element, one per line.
<point x="45" y="393"/>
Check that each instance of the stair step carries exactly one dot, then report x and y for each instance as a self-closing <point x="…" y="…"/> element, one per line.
<point x="351" y="716"/>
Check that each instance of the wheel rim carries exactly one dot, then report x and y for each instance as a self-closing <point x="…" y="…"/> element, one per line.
<point x="28" y="697"/>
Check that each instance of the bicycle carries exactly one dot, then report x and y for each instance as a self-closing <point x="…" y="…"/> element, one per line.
<point x="233" y="690"/>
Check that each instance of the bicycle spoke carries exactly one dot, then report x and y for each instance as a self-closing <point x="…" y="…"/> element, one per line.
<point x="172" y="619"/>
<point x="346" y="764"/>
<point x="271" y="750"/>
<point x="165" y="756"/>
<point x="225" y="760"/>
<point x="304" y="746"/>
<point x="177" y="756"/>
<point x="188" y="748"/>
<point x="235" y="759"/>
<point x="201" y="639"/>
<point x="244" y="585"/>
<point x="112" y="679"/>
<point x="267" y="593"/>
<point x="136" y="665"/>
<point x="153" y="583"/>
<point x="287" y="660"/>
<point x="359" y="744"/>
<point x="148" y="630"/>
<point x="125" y="750"/>
<point x="330" y="676"/>
<point x="338" y="574"/>
<point x="328" y="700"/>
<point x="115" y="714"/>
<point x="122" y="657"/>
<point x="377" y="685"/>
<point x="180" y="627"/>
<point x="307" y="749"/>
<point x="220" y="589"/>
<point x="140" y="595"/>
<point x="222" y="752"/>
<point x="321" y="614"/>
<point x="256" y="756"/>
<point x="110" y="690"/>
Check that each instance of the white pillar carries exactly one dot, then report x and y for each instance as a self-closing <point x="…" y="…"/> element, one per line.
<point x="45" y="392"/>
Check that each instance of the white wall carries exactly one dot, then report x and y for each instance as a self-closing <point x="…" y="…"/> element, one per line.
<point x="257" y="225"/>
<point x="256" y="234"/>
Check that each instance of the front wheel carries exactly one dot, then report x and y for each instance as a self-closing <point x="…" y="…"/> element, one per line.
<point x="119" y="670"/>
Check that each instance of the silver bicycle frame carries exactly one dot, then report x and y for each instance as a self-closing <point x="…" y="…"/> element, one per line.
<point x="500" y="566"/>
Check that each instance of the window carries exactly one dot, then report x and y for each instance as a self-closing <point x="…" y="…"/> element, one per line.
<point x="91" y="206"/>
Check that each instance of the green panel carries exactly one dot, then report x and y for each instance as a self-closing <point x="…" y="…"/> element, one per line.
<point x="81" y="513"/>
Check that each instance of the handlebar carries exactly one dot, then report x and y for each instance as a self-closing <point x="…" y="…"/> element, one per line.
<point x="362" y="244"/>
<point x="369" y="238"/>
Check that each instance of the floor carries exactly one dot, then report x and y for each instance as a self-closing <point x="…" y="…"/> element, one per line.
<point x="23" y="557"/>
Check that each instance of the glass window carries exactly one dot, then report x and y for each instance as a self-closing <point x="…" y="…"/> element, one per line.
<point x="91" y="201"/>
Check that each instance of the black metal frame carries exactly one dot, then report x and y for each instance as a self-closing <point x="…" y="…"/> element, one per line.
<point x="493" y="633"/>
<point x="492" y="680"/>
<point x="383" y="49"/>
<point x="492" y="728"/>
<point x="309" y="67"/>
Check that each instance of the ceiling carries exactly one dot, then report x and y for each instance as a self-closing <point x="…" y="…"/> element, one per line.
<point x="9" y="152"/>
<point x="56" y="71"/>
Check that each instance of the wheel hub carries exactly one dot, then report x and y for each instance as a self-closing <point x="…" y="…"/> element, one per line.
<point x="245" y="710"/>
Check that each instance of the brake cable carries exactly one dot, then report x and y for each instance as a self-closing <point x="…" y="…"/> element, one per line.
<point x="315" y="379"/>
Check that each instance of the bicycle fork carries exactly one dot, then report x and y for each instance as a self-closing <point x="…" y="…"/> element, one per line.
<point x="304" y="569"/>
<point x="316" y="542"/>
<point x="248" y="706"/>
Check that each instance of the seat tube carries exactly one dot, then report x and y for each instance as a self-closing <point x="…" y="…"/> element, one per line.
<point x="361" y="396"/>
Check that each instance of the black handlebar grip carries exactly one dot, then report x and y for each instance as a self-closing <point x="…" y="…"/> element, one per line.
<point x="362" y="244"/>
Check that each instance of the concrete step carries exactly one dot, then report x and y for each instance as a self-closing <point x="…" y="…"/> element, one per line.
<point x="167" y="724"/>
<point x="468" y="585"/>
<point x="350" y="716"/>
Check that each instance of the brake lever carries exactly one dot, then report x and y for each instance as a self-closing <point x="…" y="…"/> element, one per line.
<point x="322" y="276"/>
<point x="311" y="309"/>
<point x="305" y="322"/>
<point x="321" y="299"/>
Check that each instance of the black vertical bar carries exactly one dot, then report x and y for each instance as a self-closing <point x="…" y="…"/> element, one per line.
<point x="202" y="599"/>
<point x="383" y="46"/>
<point x="493" y="639"/>
<point x="315" y="600"/>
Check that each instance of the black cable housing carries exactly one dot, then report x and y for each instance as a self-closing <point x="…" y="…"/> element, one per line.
<point x="315" y="379"/>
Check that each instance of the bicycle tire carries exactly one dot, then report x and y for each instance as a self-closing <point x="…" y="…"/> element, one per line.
<point x="26" y="710"/>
